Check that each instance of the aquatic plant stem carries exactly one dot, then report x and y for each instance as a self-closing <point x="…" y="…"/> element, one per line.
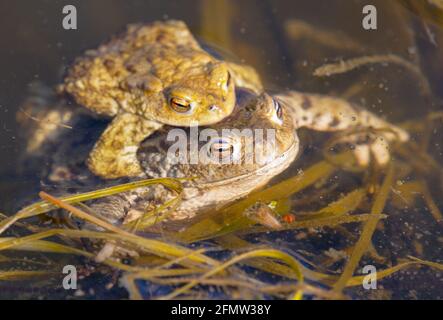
<point x="365" y="238"/>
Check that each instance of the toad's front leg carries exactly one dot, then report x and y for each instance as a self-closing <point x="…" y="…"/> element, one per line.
<point x="325" y="113"/>
<point x="115" y="153"/>
<point x="245" y="76"/>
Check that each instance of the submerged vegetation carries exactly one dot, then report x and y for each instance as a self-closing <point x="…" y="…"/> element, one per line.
<point x="177" y="261"/>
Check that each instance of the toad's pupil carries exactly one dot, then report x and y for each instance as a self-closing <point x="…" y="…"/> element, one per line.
<point x="180" y="106"/>
<point x="222" y="149"/>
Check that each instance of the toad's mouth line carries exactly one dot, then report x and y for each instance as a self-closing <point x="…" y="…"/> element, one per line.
<point x="271" y="169"/>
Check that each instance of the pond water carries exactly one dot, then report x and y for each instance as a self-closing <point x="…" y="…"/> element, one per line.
<point x="285" y="41"/>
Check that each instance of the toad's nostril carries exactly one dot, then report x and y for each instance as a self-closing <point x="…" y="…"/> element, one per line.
<point x="213" y="107"/>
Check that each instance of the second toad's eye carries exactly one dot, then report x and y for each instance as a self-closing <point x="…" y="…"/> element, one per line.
<point x="221" y="149"/>
<point x="228" y="81"/>
<point x="180" y="105"/>
<point x="278" y="109"/>
<point x="225" y="85"/>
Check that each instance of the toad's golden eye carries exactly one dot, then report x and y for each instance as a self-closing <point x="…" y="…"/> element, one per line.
<point x="180" y="105"/>
<point x="278" y="109"/>
<point x="221" y="149"/>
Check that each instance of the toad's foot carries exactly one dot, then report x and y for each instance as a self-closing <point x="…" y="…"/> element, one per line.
<point x="323" y="113"/>
<point x="42" y="118"/>
<point x="115" y="153"/>
<point x="367" y="145"/>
